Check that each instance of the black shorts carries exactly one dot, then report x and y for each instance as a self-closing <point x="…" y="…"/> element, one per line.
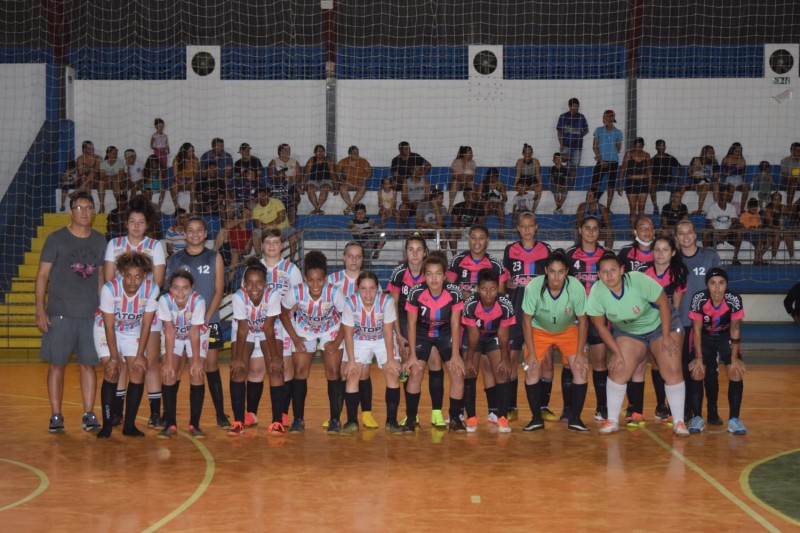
<point x="516" y="339"/>
<point x="444" y="344"/>
<point x="485" y="346"/>
<point x="527" y="181"/>
<point x="717" y="348"/>
<point x="215" y="340"/>
<point x="593" y="338"/>
<point x="637" y="186"/>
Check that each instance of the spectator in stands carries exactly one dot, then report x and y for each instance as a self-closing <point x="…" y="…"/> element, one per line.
<point x="247" y="162"/>
<point x="319" y="176"/>
<point x="764" y="183"/>
<point x="697" y="180"/>
<point x="415" y="190"/>
<point x="751" y="221"/>
<point x="387" y="202"/>
<point x="493" y="195"/>
<point x="462" y="174"/>
<point x="175" y="235"/>
<point x="115" y="222"/>
<point x="529" y="175"/>
<point x="591" y="207"/>
<point x="151" y="180"/>
<point x="559" y="185"/>
<point x="674" y="211"/>
<point x="134" y="173"/>
<point x="405" y="163"/>
<point x="792" y="303"/>
<point x="776" y="216"/>
<point x="286" y="166"/>
<point x="708" y="157"/>
<point x="222" y="158"/>
<point x="790" y="172"/>
<point x="271" y="213"/>
<point x="285" y="190"/>
<point x="732" y="173"/>
<point x="88" y="164"/>
<point x="665" y="174"/>
<point x="209" y="191"/>
<point x="463" y="216"/>
<point x="430" y="213"/>
<point x="112" y="172"/>
<point x="606" y="144"/>
<point x="234" y="241"/>
<point x="185" y="174"/>
<point x="159" y="143"/>
<point x="367" y="233"/>
<point x="522" y="203"/>
<point x="353" y="171"/>
<point x="69" y="181"/>
<point x="636" y="170"/>
<point x="242" y="191"/>
<point x="723" y="221"/>
<point x="571" y="129"/>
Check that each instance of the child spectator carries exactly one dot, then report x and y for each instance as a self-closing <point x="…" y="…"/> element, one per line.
<point x="366" y="233"/>
<point x="764" y="183"/>
<point x="159" y="143"/>
<point x="68" y="181"/>
<point x="751" y="221"/>
<point x="558" y="183"/>
<point x="387" y="202"/>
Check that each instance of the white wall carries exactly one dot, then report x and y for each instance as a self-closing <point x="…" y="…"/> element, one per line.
<point x="22" y="108"/>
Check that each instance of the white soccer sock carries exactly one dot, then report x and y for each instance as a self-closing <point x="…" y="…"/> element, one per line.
<point x="615" y="394"/>
<point x="676" y="396"/>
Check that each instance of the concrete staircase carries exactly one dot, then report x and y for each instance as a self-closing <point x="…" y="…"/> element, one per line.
<point x="20" y="339"/>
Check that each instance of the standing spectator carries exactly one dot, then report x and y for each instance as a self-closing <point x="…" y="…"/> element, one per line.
<point x="285" y="190"/>
<point x="606" y="144"/>
<point x="792" y="303"/>
<point x="636" y="169"/>
<point x="722" y="219"/>
<point x="185" y="174"/>
<point x="404" y="164"/>
<point x="356" y="171"/>
<point x="176" y="234"/>
<point x="665" y="174"/>
<point x="674" y="211"/>
<point x="558" y="183"/>
<point x="271" y="213"/>
<point x="222" y="158"/>
<point x="387" y="202"/>
<point x="529" y="175"/>
<point x="134" y="173"/>
<point x="790" y="172"/>
<point x="493" y="195"/>
<point x="592" y="208"/>
<point x="69" y="273"/>
<point x="112" y="171"/>
<point x="765" y="183"/>
<point x="415" y="190"/>
<point x="732" y="173"/>
<point x="571" y="129"/>
<point x="88" y="164"/>
<point x="462" y="174"/>
<point x="319" y="173"/>
<point x="159" y="143"/>
<point x="248" y="162"/>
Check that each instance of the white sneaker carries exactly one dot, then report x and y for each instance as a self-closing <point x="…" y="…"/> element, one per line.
<point x="492" y="418"/>
<point x="609" y="426"/>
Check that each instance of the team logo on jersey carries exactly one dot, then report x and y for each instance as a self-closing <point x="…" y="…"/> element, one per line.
<point x="568" y="311"/>
<point x="636" y="310"/>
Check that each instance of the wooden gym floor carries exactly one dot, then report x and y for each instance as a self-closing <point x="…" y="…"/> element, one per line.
<point x="554" y="480"/>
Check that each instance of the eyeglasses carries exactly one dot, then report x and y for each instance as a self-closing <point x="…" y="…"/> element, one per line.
<point x="83" y="208"/>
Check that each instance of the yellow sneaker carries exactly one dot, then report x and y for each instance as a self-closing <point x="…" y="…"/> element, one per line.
<point x="437" y="419"/>
<point x="325" y="424"/>
<point x="368" y="420"/>
<point x="513" y="414"/>
<point x="548" y="415"/>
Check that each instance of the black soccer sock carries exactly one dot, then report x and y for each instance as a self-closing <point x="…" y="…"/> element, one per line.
<point x="170" y="396"/>
<point x="118" y="406"/>
<point x="696" y="397"/>
<point x="351" y="401"/>
<point x="436" y="388"/>
<point x="735" y="392"/>
<point x="513" y="391"/>
<point x="501" y="394"/>
<point x="712" y="390"/>
<point x="215" y="389"/>
<point x="254" y="392"/>
<point x="288" y="392"/>
<point x="135" y="393"/>
<point x="392" y="399"/>
<point x="534" y="393"/>
<point x="276" y="398"/>
<point x="237" y="389"/>
<point x="155" y="402"/>
<point x="491" y="398"/>
<point x="470" y="391"/>
<point x="577" y="399"/>
<point x="299" y="392"/>
<point x="365" y="394"/>
<point x="636" y="396"/>
<point x="335" y="397"/>
<point x="566" y="386"/>
<point x="197" y="396"/>
<point x="546" y="389"/>
<point x="107" y="397"/>
<point x="658" y="385"/>
<point x="599" y="378"/>
<point x="412" y="407"/>
<point x="456" y="406"/>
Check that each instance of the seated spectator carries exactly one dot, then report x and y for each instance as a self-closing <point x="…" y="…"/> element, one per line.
<point x="234" y="241"/>
<point x="112" y="172"/>
<point x="69" y="181"/>
<point x="697" y="180"/>
<point x="708" y="159"/>
<point x="134" y="173"/>
<point x="636" y="179"/>
<point x="430" y="213"/>
<point x="464" y="215"/>
<point x="242" y="191"/>
<point x="248" y="162"/>
<point x="286" y="167"/>
<point x="754" y="234"/>
<point x="117" y="217"/>
<point x="665" y="174"/>
<point x="285" y="190"/>
<point x="354" y="171"/>
<point x="404" y="165"/>
<point x="493" y="195"/>
<point x="522" y="203"/>
<point x="223" y="160"/>
<point x="732" y="174"/>
<point x="529" y="175"/>
<point x="271" y="213"/>
<point x="462" y="174"/>
<point x="367" y="233"/>
<point x="674" y="211"/>
<point x="764" y="184"/>
<point x="790" y="172"/>
<point x="591" y="207"/>
<point x="387" y="203"/>
<point x="175" y="236"/>
<point x="209" y="191"/>
<point x="152" y="180"/>
<point x="722" y="220"/>
<point x="88" y="165"/>
<point x="558" y="183"/>
<point x="415" y="190"/>
<point x="185" y="174"/>
<point x="792" y="303"/>
<point x="319" y="174"/>
<point x="778" y="219"/>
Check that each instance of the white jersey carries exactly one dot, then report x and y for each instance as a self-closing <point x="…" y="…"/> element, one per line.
<point x="149" y="247"/>
<point x="127" y="310"/>
<point x="313" y="317"/>
<point x="255" y="314"/>
<point x="193" y="314"/>
<point x="282" y="276"/>
<point x="368" y="324"/>
<point x="348" y="285"/>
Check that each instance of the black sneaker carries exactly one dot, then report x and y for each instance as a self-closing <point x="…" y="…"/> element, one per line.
<point x="456" y="425"/>
<point x="223" y="421"/>
<point x="393" y="427"/>
<point x="298" y="426"/>
<point x="409" y="427"/>
<point x="57" y="423"/>
<point x="89" y="422"/>
<point x="564" y="414"/>
<point x="534" y="425"/>
<point x="334" y="426"/>
<point x="116" y="419"/>
<point x="714" y="419"/>
<point x="132" y="432"/>
<point x="662" y="413"/>
<point x="155" y="421"/>
<point x="578" y="426"/>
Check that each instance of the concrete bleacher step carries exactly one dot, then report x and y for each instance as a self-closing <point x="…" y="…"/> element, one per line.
<point x="15" y="309"/>
<point x="20" y="297"/>
<point x="28" y="271"/>
<point x="23" y="285"/>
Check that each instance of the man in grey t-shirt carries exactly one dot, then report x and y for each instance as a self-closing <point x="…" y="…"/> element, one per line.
<point x="69" y="273"/>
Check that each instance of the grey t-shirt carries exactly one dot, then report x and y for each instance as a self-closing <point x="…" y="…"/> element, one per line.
<point x="77" y="264"/>
<point x="203" y="267"/>
<point x="698" y="264"/>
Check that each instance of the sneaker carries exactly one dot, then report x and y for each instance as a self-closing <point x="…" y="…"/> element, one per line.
<point x="196" y="432"/>
<point x="513" y="414"/>
<point x="635" y="421"/>
<point x="325" y="425"/>
<point x="714" y="419"/>
<point x="298" y="426"/>
<point x="578" y="426"/>
<point x="456" y="425"/>
<point x="472" y="424"/>
<point x="116" y="419"/>
<point x="369" y="421"/>
<point x="276" y="428"/>
<point x="628" y="413"/>
<point x="663" y="413"/>
<point x="237" y="428"/>
<point x="601" y="414"/>
<point x="57" y="423"/>
<point x="167" y="432"/>
<point x="250" y="419"/>
<point x="437" y="419"/>
<point x="89" y="422"/>
<point x="405" y="419"/>
<point x="679" y="429"/>
<point x="492" y="418"/>
<point x="349" y="428"/>
<point x="393" y="427"/>
<point x="132" y="432"/>
<point x="334" y="426"/>
<point x="564" y="414"/>
<point x="609" y="426"/>
<point x="285" y="419"/>
<point x="548" y="415"/>
<point x="736" y="427"/>
<point x="534" y="425"/>
<point x="502" y="425"/>
<point x="155" y="421"/>
<point x="696" y="425"/>
<point x="223" y="421"/>
<point x="409" y="427"/>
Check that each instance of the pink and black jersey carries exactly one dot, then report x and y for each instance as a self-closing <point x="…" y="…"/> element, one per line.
<point x="368" y="324"/>
<point x="667" y="281"/>
<point x="400" y="283"/>
<point x="488" y="321"/>
<point x="584" y="265"/>
<point x="634" y="259"/>
<point x="464" y="270"/>
<point x="127" y="310"/>
<point x="256" y="313"/>
<point x="314" y="317"/>
<point x="524" y="264"/>
<point x="716" y="319"/>
<point x="434" y="312"/>
<point x="193" y="314"/>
